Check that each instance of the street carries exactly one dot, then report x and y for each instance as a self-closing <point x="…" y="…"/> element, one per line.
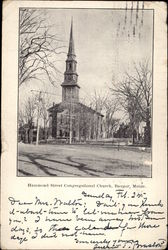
<point x="82" y="161"/>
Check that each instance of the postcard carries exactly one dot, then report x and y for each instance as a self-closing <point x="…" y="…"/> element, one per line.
<point x="84" y="122"/>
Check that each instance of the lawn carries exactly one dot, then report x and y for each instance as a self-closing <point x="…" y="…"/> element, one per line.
<point x="82" y="161"/>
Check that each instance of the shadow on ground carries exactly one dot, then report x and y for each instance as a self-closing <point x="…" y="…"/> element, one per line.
<point x="33" y="164"/>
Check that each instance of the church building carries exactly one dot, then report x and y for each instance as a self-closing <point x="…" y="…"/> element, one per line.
<point x="70" y="119"/>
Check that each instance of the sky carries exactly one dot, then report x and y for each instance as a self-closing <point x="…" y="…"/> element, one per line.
<point x="105" y="46"/>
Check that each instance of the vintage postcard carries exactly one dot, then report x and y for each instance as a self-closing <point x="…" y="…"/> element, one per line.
<point x="84" y="121"/>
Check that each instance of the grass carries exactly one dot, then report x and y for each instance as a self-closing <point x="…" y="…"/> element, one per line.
<point x="82" y="161"/>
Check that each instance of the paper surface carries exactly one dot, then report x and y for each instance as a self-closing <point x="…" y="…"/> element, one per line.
<point x="90" y="208"/>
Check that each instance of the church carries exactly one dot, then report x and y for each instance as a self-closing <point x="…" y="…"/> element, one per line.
<point x="71" y="120"/>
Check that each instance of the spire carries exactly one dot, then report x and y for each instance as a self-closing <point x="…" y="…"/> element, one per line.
<point x="70" y="87"/>
<point x="71" y="50"/>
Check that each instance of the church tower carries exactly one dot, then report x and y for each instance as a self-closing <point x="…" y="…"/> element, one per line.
<point x="70" y="88"/>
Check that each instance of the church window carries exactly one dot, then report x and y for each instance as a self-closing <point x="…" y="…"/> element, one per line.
<point x="70" y="66"/>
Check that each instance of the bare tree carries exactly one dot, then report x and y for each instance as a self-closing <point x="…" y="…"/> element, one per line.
<point x="21" y="117"/>
<point x="27" y="116"/>
<point x="37" y="48"/>
<point x="134" y="94"/>
<point x="111" y="123"/>
<point x="29" y="110"/>
<point x="143" y="81"/>
<point x="108" y="106"/>
<point x="99" y="100"/>
<point x="45" y="104"/>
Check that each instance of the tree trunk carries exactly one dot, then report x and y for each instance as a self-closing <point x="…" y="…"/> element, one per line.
<point x="148" y="134"/>
<point x="148" y="129"/>
<point x="37" y="137"/>
<point x="45" y="130"/>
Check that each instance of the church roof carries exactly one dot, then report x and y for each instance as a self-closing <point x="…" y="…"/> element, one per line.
<point x="89" y="109"/>
<point x="59" y="107"/>
<point x="54" y="107"/>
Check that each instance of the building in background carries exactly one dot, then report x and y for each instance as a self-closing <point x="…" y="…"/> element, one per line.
<point x="71" y="119"/>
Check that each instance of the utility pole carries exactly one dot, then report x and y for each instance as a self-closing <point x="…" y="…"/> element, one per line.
<point x="70" y="129"/>
<point x="44" y="92"/>
<point x="38" y="111"/>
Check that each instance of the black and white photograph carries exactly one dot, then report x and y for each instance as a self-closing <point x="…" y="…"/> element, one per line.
<point x="84" y="125"/>
<point x="85" y="78"/>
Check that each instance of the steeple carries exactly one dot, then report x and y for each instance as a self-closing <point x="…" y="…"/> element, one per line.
<point x="71" y="50"/>
<point x="70" y="88"/>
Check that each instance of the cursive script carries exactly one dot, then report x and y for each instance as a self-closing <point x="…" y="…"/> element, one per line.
<point x="102" y="220"/>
